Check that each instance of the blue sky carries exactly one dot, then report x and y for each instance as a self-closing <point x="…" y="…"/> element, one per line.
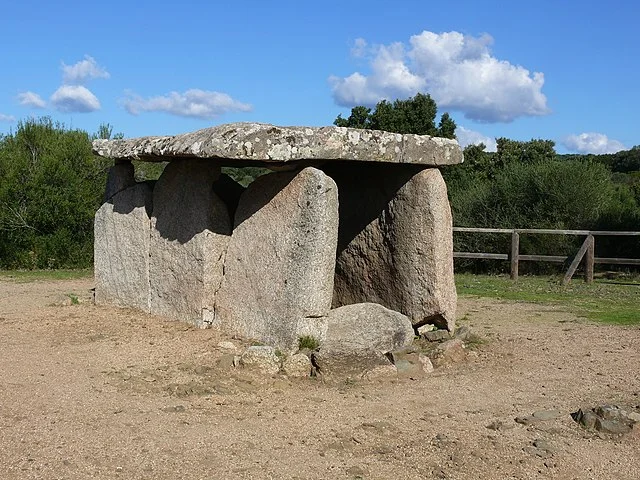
<point x="566" y="71"/>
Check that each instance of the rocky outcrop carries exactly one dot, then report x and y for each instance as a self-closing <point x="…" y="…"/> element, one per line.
<point x="190" y="230"/>
<point x="121" y="249"/>
<point x="269" y="144"/>
<point x="395" y="242"/>
<point x="359" y="337"/>
<point x="278" y="278"/>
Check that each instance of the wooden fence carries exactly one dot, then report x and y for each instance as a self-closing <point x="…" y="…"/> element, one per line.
<point x="586" y="251"/>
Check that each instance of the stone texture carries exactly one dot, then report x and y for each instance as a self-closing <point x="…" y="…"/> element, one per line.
<point x="262" y="359"/>
<point x="437" y="335"/>
<point x="278" y="279"/>
<point x="449" y="353"/>
<point x="411" y="363"/>
<point x="120" y="177"/>
<point x="359" y="337"/>
<point x="190" y="232"/>
<point x="235" y="143"/>
<point x="395" y="243"/>
<point x="121" y="248"/>
<point x="297" y="365"/>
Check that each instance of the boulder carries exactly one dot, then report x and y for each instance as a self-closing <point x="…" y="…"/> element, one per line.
<point x="120" y="177"/>
<point x="411" y="363"/>
<point x="359" y="337"/>
<point x="121" y="248"/>
<point x="395" y="243"/>
<point x="190" y="230"/>
<point x="278" y="279"/>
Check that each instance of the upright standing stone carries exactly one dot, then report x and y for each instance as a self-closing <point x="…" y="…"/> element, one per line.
<point x="395" y="244"/>
<point x="278" y="279"/>
<point x="120" y="177"/>
<point x="121" y="248"/>
<point x="189" y="235"/>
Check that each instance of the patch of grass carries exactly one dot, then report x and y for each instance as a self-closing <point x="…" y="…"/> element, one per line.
<point x="74" y="298"/>
<point x="308" y="342"/>
<point x="603" y="300"/>
<point x="38" y="275"/>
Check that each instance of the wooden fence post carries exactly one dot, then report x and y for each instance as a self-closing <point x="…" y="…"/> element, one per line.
<point x="515" y="254"/>
<point x="589" y="259"/>
<point x="576" y="260"/>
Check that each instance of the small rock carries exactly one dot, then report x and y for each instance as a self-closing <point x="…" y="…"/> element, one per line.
<point x="437" y="335"/>
<point x="297" y="365"/>
<point x="230" y="346"/>
<point x="449" y="353"/>
<point x="545" y="415"/>
<point x="544" y="445"/>
<point x="463" y="332"/>
<point x="614" y="427"/>
<point x="261" y="358"/>
<point x="426" y="328"/>
<point x="410" y="363"/>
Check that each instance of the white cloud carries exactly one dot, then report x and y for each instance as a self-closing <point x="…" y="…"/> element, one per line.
<point x="592" y="142"/>
<point x="359" y="48"/>
<point x="31" y="99"/>
<point x="471" y="137"/>
<point x="7" y="118"/>
<point x="456" y="69"/>
<point x="192" y="103"/>
<point x="79" y="73"/>
<point x="74" y="98"/>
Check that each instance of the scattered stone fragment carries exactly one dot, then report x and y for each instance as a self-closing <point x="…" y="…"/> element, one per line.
<point x="427" y="327"/>
<point x="463" y="332"/>
<point x="261" y="358"/>
<point x="437" y="335"/>
<point x="606" y="419"/>
<point x="381" y="372"/>
<point x="410" y="363"/>
<point x="448" y="353"/>
<point x="297" y="365"/>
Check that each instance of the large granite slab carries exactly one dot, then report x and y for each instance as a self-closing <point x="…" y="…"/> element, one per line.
<point x="236" y="144"/>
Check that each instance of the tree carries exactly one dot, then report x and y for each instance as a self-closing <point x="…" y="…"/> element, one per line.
<point x="415" y="115"/>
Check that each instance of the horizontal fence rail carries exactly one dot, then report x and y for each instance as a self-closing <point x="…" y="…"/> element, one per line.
<point x="586" y="251"/>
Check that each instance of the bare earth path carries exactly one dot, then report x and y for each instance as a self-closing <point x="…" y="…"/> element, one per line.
<point x="94" y="392"/>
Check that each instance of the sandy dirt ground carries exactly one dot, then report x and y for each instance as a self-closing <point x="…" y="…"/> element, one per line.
<point x="95" y="392"/>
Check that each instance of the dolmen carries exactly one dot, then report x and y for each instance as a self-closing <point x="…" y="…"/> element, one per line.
<point x="351" y="234"/>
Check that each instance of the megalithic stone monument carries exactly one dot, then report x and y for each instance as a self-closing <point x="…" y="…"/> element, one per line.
<point x="352" y="217"/>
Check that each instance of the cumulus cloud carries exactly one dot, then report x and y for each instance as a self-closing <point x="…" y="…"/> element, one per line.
<point x="471" y="137"/>
<point x="457" y="70"/>
<point x="74" y="98"/>
<point x="192" y="103"/>
<point x="592" y="142"/>
<point x="31" y="99"/>
<point x="7" y="118"/>
<point x="359" y="47"/>
<point x="79" y="73"/>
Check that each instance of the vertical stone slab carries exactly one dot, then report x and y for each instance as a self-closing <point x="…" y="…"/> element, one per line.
<point x="190" y="230"/>
<point x="121" y="248"/>
<point x="120" y="177"/>
<point x="395" y="243"/>
<point x="278" y="280"/>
